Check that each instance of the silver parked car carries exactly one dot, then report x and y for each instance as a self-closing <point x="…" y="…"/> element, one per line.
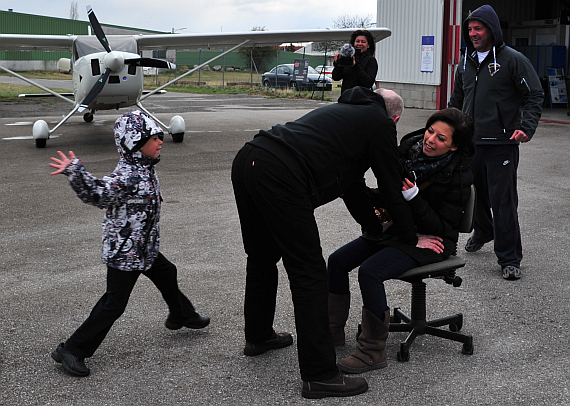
<point x="281" y="76"/>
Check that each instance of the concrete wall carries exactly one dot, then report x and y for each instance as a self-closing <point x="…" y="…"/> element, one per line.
<point x="414" y="95"/>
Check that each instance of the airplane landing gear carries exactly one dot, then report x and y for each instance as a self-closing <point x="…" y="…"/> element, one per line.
<point x="177" y="128"/>
<point x="88" y="117"/>
<point x="40" y="133"/>
<point x="178" y="137"/>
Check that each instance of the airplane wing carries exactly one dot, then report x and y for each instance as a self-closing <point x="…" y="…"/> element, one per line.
<point x="189" y="41"/>
<point x="22" y="42"/>
<point x="256" y="38"/>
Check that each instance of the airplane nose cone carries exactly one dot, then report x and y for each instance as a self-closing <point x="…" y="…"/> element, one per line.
<point x="114" y="61"/>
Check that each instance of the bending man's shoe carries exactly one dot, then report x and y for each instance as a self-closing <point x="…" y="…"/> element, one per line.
<point x="71" y="363"/>
<point x="196" y="321"/>
<point x="338" y="386"/>
<point x="512" y="272"/>
<point x="278" y="340"/>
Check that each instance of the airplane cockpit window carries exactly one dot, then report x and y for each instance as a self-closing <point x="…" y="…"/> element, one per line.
<point x="88" y="45"/>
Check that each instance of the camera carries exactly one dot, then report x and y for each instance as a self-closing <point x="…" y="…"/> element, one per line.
<point x="345" y="55"/>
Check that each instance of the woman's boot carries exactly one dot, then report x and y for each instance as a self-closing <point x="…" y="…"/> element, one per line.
<point x="339" y="305"/>
<point x="371" y="348"/>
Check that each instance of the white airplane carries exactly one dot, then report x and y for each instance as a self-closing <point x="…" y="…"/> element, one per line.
<point x="108" y="71"/>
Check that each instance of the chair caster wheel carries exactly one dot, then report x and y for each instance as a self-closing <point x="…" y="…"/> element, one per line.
<point x="457" y="326"/>
<point x="403" y="357"/>
<point x="468" y="346"/>
<point x="404" y="354"/>
<point x="395" y="319"/>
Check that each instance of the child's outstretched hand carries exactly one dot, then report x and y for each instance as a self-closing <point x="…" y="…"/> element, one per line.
<point x="62" y="163"/>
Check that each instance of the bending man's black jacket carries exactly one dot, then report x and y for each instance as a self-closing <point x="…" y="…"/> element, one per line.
<point x="331" y="148"/>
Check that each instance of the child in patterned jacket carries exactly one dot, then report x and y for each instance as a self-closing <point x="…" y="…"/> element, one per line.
<point x="131" y="199"/>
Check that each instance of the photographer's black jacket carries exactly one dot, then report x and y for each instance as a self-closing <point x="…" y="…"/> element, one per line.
<point x="363" y="73"/>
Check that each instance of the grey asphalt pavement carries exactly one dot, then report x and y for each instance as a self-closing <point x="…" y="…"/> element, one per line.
<point x="51" y="276"/>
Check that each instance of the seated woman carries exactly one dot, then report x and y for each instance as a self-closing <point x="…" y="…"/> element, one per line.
<point x="439" y="157"/>
<point x="364" y="66"/>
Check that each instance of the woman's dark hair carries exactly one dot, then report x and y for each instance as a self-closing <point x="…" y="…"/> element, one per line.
<point x="462" y="125"/>
<point x="368" y="36"/>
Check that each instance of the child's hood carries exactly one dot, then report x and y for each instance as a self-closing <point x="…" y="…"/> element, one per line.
<point x="132" y="130"/>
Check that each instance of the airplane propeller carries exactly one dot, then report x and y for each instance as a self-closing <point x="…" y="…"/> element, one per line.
<point x="114" y="62"/>
<point x="98" y="29"/>
<point x="150" y="63"/>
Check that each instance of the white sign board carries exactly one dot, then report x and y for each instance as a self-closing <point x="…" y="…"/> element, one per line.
<point x="557" y="85"/>
<point x="428" y="49"/>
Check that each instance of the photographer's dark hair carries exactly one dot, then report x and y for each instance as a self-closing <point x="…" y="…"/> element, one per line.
<point x="462" y="125"/>
<point x="368" y="36"/>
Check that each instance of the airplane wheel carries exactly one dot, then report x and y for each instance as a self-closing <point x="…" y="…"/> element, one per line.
<point x="88" y="117"/>
<point x="41" y="143"/>
<point x="177" y="137"/>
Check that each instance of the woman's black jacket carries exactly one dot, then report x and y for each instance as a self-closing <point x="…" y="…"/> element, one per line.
<point x="436" y="209"/>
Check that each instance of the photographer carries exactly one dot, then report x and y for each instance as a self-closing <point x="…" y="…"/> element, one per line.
<point x="356" y="68"/>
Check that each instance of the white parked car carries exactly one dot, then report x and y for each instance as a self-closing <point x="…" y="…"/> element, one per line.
<point x="326" y="68"/>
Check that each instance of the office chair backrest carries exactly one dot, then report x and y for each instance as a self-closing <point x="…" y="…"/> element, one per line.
<point x="466" y="221"/>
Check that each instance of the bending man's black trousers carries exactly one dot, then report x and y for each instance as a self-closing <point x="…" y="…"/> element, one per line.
<point x="277" y="222"/>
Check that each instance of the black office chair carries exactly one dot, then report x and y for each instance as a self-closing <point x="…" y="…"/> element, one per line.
<point x="416" y="324"/>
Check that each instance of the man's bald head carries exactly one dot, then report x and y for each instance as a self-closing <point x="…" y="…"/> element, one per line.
<point x="394" y="103"/>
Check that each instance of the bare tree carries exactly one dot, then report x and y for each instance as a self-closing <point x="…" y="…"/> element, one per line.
<point x="355" y="21"/>
<point x="343" y="21"/>
<point x="73" y="14"/>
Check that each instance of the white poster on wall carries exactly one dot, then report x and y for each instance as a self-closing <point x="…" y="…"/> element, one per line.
<point x="428" y="49"/>
<point x="557" y="85"/>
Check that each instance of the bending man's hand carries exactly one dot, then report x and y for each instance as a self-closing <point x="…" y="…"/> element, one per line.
<point x="520" y="136"/>
<point x="61" y="164"/>
<point x="431" y="242"/>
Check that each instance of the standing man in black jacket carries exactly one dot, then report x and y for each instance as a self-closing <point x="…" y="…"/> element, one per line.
<point x="279" y="179"/>
<point x="491" y="83"/>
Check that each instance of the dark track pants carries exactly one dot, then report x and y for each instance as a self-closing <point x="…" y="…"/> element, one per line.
<point x="495" y="178"/>
<point x="89" y="336"/>
<point x="277" y="221"/>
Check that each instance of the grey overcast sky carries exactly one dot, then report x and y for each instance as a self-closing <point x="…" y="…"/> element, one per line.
<point x="203" y="16"/>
